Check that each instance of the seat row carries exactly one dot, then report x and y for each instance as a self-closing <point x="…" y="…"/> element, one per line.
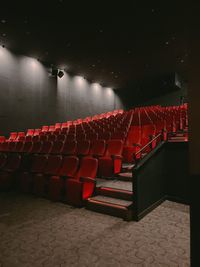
<point x="59" y="178"/>
<point x="109" y="154"/>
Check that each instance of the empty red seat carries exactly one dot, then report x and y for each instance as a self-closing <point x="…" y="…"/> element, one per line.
<point x="11" y="146"/>
<point x="82" y="185"/>
<point x="30" y="132"/>
<point x="36" y="138"/>
<point x="19" y="146"/>
<point x="57" y="147"/>
<point x="20" y="136"/>
<point x="27" y="147"/>
<point x="3" y="159"/>
<point x="44" y="138"/>
<point x="105" y="135"/>
<point x="13" y="136"/>
<point x="46" y="147"/>
<point x="52" y="138"/>
<point x="51" y="128"/>
<point x="118" y="135"/>
<point x="110" y="163"/>
<point x="36" y="147"/>
<point x="98" y="148"/>
<point x="83" y="148"/>
<point x="4" y="146"/>
<point x="26" y="178"/>
<point x="2" y="139"/>
<point x="7" y="172"/>
<point x="69" y="148"/>
<point x="45" y="128"/>
<point x="57" y="183"/>
<point x="40" y="180"/>
<point x="37" y="132"/>
<point x="28" y="138"/>
<point x="61" y="137"/>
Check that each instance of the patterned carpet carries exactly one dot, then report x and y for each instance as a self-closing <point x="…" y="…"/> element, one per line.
<point x="36" y="232"/>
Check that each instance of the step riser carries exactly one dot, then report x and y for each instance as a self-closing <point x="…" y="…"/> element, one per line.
<point x="113" y="211"/>
<point x="114" y="194"/>
<point x="124" y="178"/>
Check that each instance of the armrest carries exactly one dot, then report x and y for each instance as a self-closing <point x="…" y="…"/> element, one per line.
<point x="87" y="179"/>
<point x="116" y="156"/>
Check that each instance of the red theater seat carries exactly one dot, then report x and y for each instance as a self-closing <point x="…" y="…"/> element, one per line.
<point x="46" y="147"/>
<point x="6" y="174"/>
<point x="98" y="148"/>
<point x="110" y="163"/>
<point x="57" y="183"/>
<point x="69" y="148"/>
<point x="82" y="185"/>
<point x="57" y="147"/>
<point x="27" y="147"/>
<point x="30" y="132"/>
<point x="11" y="146"/>
<point x="3" y="159"/>
<point x="40" y="180"/>
<point x="36" y="147"/>
<point x="61" y="137"/>
<point x="26" y="178"/>
<point x="13" y="136"/>
<point x="83" y="148"/>
<point x="19" y="146"/>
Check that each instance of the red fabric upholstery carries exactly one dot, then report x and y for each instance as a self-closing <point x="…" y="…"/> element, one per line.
<point x="98" y="148"/>
<point x="8" y="170"/>
<point x="57" y="147"/>
<point x="110" y="164"/>
<point x="76" y="189"/>
<point x="25" y="178"/>
<point x="69" y="148"/>
<point x="40" y="179"/>
<point x="83" y="148"/>
<point x="56" y="183"/>
<point x="46" y="147"/>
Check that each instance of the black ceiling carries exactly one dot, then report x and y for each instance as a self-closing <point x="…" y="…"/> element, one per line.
<point x="116" y="44"/>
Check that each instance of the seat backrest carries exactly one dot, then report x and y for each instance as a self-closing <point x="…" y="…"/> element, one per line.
<point x="43" y="138"/>
<point x="61" y="137"/>
<point x="52" y="138"/>
<point x="13" y="162"/>
<point x="114" y="147"/>
<point x="45" y="128"/>
<point x="38" y="163"/>
<point x="46" y="148"/>
<point x="83" y="147"/>
<point x="19" y="147"/>
<point x="27" y="147"/>
<point x="69" y="148"/>
<point x="13" y="136"/>
<point x="118" y="135"/>
<point x="4" y="146"/>
<point x="11" y="146"/>
<point x="28" y="138"/>
<point x="69" y="166"/>
<point x="88" y="168"/>
<point x="57" y="147"/>
<point x="36" y="147"/>
<point x="3" y="159"/>
<point x="98" y="148"/>
<point x="53" y="164"/>
<point x="30" y="132"/>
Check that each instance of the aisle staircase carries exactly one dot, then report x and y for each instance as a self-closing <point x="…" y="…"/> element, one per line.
<point x="114" y="196"/>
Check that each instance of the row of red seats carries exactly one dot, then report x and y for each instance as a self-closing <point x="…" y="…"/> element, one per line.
<point x="60" y="178"/>
<point x="109" y="154"/>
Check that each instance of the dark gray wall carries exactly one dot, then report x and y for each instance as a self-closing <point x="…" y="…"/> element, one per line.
<point x="30" y="98"/>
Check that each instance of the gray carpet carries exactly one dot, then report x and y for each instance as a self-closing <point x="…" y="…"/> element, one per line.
<point x="36" y="232"/>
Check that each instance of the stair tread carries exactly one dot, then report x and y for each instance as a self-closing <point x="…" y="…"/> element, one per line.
<point x="125" y="174"/>
<point x="110" y="200"/>
<point x="115" y="184"/>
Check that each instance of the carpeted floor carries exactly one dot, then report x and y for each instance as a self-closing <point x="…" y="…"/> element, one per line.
<point x="36" y="232"/>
